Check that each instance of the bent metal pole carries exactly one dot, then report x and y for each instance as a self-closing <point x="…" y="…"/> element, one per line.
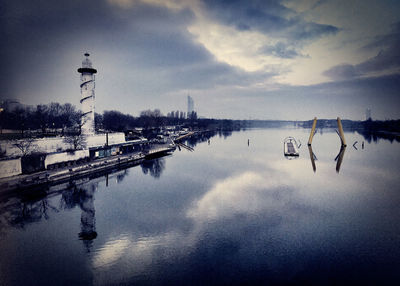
<point x="341" y="133"/>
<point x="312" y="131"/>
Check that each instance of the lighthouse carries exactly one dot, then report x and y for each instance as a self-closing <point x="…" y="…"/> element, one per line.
<point x="87" y="96"/>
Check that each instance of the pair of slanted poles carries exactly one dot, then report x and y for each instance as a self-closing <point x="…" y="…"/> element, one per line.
<point x="340" y="132"/>
<point x="339" y="157"/>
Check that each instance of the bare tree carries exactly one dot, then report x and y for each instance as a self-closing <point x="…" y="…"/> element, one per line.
<point x="76" y="141"/>
<point x="151" y="118"/>
<point x="26" y="146"/>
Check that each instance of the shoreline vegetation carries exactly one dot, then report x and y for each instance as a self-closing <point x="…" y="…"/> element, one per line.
<point x="56" y="119"/>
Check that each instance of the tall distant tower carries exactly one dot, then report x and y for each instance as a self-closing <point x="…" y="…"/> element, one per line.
<point x="368" y="114"/>
<point x="190" y="106"/>
<point x="87" y="99"/>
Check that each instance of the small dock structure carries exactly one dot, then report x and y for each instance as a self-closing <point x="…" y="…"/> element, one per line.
<point x="184" y="136"/>
<point x="159" y="150"/>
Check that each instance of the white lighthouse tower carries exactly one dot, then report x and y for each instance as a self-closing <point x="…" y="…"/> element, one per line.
<point x="87" y="96"/>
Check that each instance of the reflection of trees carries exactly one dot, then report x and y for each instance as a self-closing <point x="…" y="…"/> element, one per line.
<point x="375" y="130"/>
<point x="121" y="176"/>
<point x="374" y="136"/>
<point x="25" y="209"/>
<point x="84" y="197"/>
<point x="29" y="212"/>
<point x="225" y="133"/>
<point x="368" y="136"/>
<point x="33" y="206"/>
<point x="154" y="167"/>
<point x="192" y="141"/>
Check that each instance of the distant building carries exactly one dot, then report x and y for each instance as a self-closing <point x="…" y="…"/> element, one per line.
<point x="190" y="106"/>
<point x="368" y="114"/>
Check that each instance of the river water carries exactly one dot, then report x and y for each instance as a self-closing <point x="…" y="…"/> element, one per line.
<point x="234" y="211"/>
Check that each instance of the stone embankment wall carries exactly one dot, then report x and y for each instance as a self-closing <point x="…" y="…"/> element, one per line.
<point x="55" y="150"/>
<point x="58" y="144"/>
<point x="10" y="167"/>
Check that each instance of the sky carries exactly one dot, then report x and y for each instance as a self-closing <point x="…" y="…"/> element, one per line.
<point x="252" y="59"/>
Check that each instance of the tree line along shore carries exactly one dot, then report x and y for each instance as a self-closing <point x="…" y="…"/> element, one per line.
<point x="57" y="119"/>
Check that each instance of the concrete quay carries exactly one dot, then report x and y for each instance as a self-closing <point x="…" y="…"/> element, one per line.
<point x="61" y="175"/>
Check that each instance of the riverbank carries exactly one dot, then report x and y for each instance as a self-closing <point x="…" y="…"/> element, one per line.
<point x="61" y="175"/>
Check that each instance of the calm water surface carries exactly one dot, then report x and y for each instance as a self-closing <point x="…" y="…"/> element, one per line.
<point x="227" y="213"/>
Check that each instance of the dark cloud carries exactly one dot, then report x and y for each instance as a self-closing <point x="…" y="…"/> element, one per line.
<point x="318" y="4"/>
<point x="143" y="49"/>
<point x="145" y="53"/>
<point x="365" y="85"/>
<point x="301" y="30"/>
<point x="387" y="59"/>
<point x="213" y="74"/>
<point x="347" y="99"/>
<point x="389" y="54"/>
<point x="341" y="72"/>
<point x="280" y="50"/>
<point x="385" y="41"/>
<point x="36" y="35"/>
<point x="270" y="17"/>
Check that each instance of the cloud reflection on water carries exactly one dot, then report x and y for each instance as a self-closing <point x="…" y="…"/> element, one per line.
<point x="244" y="193"/>
<point x="111" y="251"/>
<point x="249" y="200"/>
<point x="266" y="215"/>
<point x="123" y="257"/>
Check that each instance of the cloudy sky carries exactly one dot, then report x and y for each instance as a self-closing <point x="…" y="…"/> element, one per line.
<point x="237" y="59"/>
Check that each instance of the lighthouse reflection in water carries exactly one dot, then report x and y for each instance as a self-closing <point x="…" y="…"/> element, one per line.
<point x="224" y="212"/>
<point x="83" y="197"/>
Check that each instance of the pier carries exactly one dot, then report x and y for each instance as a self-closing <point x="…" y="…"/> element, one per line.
<point x="184" y="136"/>
<point x="158" y="150"/>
